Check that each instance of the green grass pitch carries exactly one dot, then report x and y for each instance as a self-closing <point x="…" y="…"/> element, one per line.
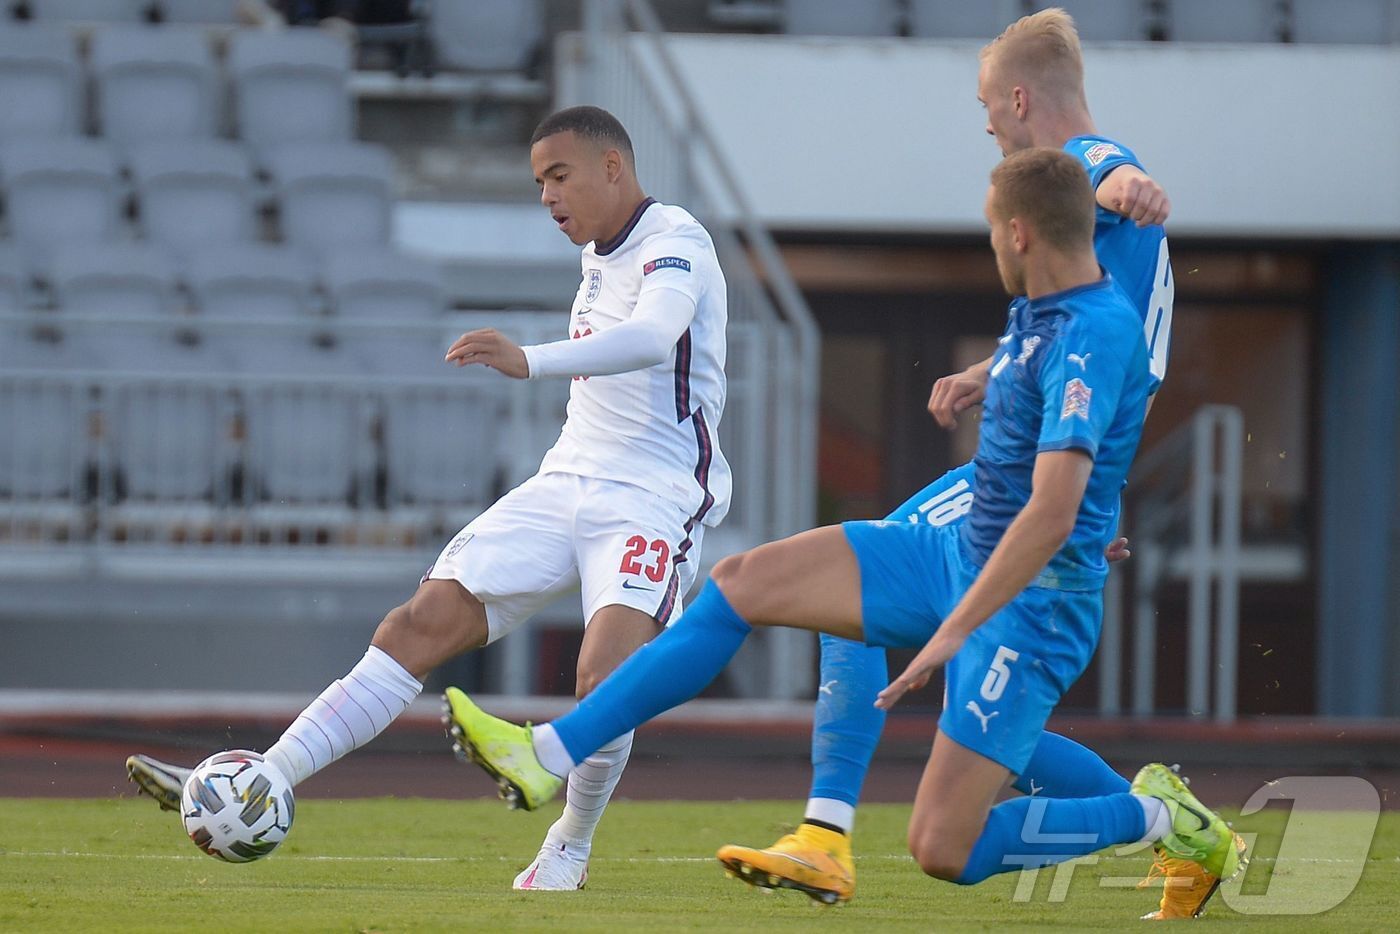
<point x="415" y="865"/>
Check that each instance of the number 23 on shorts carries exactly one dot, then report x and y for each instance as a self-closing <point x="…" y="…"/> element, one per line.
<point x="640" y="550"/>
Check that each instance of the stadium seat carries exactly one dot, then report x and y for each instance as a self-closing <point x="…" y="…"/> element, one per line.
<point x="1099" y="20"/>
<point x="201" y="12"/>
<point x="332" y="194"/>
<point x="823" y="18"/>
<point x="487" y="35"/>
<point x="14" y="280"/>
<point x="290" y="86"/>
<point x="40" y="82"/>
<point x="170" y="439"/>
<point x="59" y="190"/>
<point x="1212" y="21"/>
<point x="112" y="279"/>
<point x="153" y="83"/>
<point x="951" y="19"/>
<point x="375" y="284"/>
<point x="1346" y="21"/>
<point x="88" y="11"/>
<point x="441" y="429"/>
<point x="250" y="280"/>
<point x="194" y="192"/>
<point x="46" y="409"/>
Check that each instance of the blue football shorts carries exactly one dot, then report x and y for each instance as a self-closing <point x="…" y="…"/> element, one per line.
<point x="1011" y="671"/>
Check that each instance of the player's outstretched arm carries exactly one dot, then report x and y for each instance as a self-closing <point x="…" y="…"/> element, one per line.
<point x="955" y="394"/>
<point x="1043" y="525"/>
<point x="1131" y="192"/>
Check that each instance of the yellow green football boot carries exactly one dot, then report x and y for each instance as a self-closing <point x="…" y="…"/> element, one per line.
<point x="1198" y="834"/>
<point x="504" y="750"/>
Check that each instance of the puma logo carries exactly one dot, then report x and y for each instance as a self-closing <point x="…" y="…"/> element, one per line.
<point x="1035" y="790"/>
<point x="976" y="711"/>
<point x="1083" y="361"/>
<point x="826" y="688"/>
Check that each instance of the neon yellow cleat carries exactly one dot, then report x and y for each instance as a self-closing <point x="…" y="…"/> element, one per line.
<point x="1198" y="834"/>
<point x="504" y="751"/>
<point x="1186" y="886"/>
<point x="160" y="780"/>
<point x="812" y="860"/>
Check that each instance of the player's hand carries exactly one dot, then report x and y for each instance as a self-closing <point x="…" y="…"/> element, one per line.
<point x="1142" y="201"/>
<point x="943" y="646"/>
<point x="953" y="395"/>
<point x="491" y="348"/>
<point x="1117" y="550"/>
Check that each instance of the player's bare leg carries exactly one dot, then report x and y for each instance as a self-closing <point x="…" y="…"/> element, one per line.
<point x="955" y="794"/>
<point x="614" y="633"/>
<point x="809" y="581"/>
<point x="439" y="622"/>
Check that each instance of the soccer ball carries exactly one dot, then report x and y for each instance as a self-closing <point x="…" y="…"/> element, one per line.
<point x="236" y="806"/>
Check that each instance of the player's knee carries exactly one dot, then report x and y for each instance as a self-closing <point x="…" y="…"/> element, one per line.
<point x="939" y="854"/>
<point x="734" y="576"/>
<point x="586" y="680"/>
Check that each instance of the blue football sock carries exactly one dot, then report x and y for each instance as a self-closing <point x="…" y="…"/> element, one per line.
<point x="1062" y="768"/>
<point x="846" y="726"/>
<point x="664" y="673"/>
<point x="1027" y="833"/>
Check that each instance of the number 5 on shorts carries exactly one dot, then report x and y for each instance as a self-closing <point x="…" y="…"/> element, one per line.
<point x="995" y="683"/>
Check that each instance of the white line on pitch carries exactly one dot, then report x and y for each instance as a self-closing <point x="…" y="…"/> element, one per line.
<point x="507" y="859"/>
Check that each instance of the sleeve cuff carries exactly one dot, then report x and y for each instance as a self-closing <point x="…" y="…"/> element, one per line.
<point x="1070" y="444"/>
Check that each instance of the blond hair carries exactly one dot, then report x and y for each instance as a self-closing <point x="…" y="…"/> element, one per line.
<point x="1043" y="49"/>
<point x="1048" y="190"/>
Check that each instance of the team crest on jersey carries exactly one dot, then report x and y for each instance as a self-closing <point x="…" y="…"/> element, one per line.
<point x="666" y="262"/>
<point x="458" y="544"/>
<point x="1028" y="347"/>
<point x="595" y="285"/>
<point x="1101" y="151"/>
<point x="1077" y="396"/>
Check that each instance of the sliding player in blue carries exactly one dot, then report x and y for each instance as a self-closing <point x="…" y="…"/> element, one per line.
<point x="1031" y="83"/>
<point x="1010" y="600"/>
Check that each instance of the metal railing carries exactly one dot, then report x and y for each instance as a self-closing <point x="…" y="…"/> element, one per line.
<point x="174" y="444"/>
<point x="1184" y="506"/>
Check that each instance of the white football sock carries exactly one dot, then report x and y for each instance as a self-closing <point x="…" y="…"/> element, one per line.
<point x="348" y="714"/>
<point x="1157" y="819"/>
<point x="833" y="812"/>
<point x="549" y="749"/>
<point x="591" y="784"/>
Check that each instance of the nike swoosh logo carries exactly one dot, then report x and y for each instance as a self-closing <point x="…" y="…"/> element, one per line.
<point x="1204" y="819"/>
<point x="628" y="585"/>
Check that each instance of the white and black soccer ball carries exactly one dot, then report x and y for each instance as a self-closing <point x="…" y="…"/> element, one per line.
<point x="236" y="806"/>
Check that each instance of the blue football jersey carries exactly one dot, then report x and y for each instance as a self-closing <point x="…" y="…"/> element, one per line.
<point x="1071" y="372"/>
<point x="1135" y="256"/>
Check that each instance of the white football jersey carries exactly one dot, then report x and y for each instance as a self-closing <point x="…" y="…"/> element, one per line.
<point x="658" y="427"/>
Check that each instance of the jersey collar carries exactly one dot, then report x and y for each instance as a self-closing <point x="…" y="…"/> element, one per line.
<point x="603" y="248"/>
<point x="1055" y="299"/>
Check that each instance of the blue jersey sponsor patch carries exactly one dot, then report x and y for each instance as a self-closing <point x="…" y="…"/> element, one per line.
<point x="666" y="262"/>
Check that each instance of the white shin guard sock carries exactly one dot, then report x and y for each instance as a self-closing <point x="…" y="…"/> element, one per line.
<point x="348" y="714"/>
<point x="833" y="812"/>
<point x="591" y="785"/>
<point x="1156" y="818"/>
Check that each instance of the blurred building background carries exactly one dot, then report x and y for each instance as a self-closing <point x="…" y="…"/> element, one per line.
<point x="232" y="254"/>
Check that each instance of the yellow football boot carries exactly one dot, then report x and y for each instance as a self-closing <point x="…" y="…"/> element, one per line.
<point x="812" y="860"/>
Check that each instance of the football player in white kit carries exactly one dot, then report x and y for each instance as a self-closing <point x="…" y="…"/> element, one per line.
<point x="619" y="505"/>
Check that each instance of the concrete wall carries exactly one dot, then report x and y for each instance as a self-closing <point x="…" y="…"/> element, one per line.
<point x="845" y="134"/>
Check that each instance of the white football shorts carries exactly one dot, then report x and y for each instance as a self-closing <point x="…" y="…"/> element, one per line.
<point x="559" y="532"/>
